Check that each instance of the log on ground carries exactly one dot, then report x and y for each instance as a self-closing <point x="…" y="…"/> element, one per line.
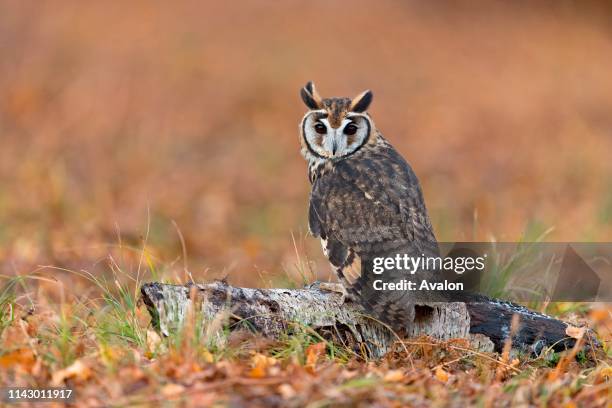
<point x="274" y="312"/>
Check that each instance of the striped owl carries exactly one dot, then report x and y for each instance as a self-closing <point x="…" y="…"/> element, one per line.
<point x="365" y="201"/>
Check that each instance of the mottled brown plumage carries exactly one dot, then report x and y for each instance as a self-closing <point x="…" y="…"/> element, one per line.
<point x="365" y="202"/>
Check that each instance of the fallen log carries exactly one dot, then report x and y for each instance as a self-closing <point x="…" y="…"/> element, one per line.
<point x="272" y="312"/>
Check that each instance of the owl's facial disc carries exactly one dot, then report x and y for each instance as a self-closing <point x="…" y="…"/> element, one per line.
<point x="326" y="141"/>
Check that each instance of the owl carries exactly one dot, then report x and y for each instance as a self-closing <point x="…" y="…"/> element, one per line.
<point x="365" y="202"/>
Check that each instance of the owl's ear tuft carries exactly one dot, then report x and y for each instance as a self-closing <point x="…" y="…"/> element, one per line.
<point x="310" y="96"/>
<point x="361" y="102"/>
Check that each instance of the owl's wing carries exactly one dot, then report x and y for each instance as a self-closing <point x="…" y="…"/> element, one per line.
<point x="370" y="207"/>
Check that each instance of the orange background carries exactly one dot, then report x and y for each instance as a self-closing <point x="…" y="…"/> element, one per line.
<point x="118" y="118"/>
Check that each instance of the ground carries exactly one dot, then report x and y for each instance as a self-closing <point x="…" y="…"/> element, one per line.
<point x="101" y="344"/>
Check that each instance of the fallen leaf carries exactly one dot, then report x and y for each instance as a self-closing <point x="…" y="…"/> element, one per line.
<point x="23" y="357"/>
<point x="108" y="354"/>
<point x="394" y="376"/>
<point x="207" y="356"/>
<point x="313" y="352"/>
<point x="260" y="365"/>
<point x="172" y="390"/>
<point x="605" y="373"/>
<point x="77" y="370"/>
<point x="286" y="391"/>
<point x="575" y="332"/>
<point x="153" y="340"/>
<point x="441" y="375"/>
<point x="28" y="328"/>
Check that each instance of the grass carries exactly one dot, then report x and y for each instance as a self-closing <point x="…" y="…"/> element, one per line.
<point x="100" y="338"/>
<point x="504" y="266"/>
<point x="112" y="334"/>
<point x="7" y="301"/>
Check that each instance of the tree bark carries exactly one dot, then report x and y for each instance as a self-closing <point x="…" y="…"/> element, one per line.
<point x="272" y="312"/>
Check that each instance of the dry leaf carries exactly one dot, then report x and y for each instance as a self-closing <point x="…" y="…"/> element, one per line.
<point x="153" y="340"/>
<point x="77" y="370"/>
<point x="257" y="372"/>
<point x="313" y="352"/>
<point x="28" y="329"/>
<point x="207" y="356"/>
<point x="23" y="357"/>
<point x="108" y="354"/>
<point x="394" y="376"/>
<point x="260" y="365"/>
<point x="172" y="390"/>
<point x="605" y="374"/>
<point x="575" y="332"/>
<point x="441" y="375"/>
<point x="263" y="360"/>
<point x="286" y="391"/>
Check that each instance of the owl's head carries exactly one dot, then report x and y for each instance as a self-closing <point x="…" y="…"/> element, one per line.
<point x="334" y="128"/>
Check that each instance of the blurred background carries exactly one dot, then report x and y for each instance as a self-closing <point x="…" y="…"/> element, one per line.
<point x="174" y="127"/>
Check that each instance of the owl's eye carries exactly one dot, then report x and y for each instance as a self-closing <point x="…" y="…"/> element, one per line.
<point x="320" y="128"/>
<point x="350" y="129"/>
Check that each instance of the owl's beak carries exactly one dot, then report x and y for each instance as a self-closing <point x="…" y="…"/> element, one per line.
<point x="336" y="142"/>
<point x="333" y="142"/>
